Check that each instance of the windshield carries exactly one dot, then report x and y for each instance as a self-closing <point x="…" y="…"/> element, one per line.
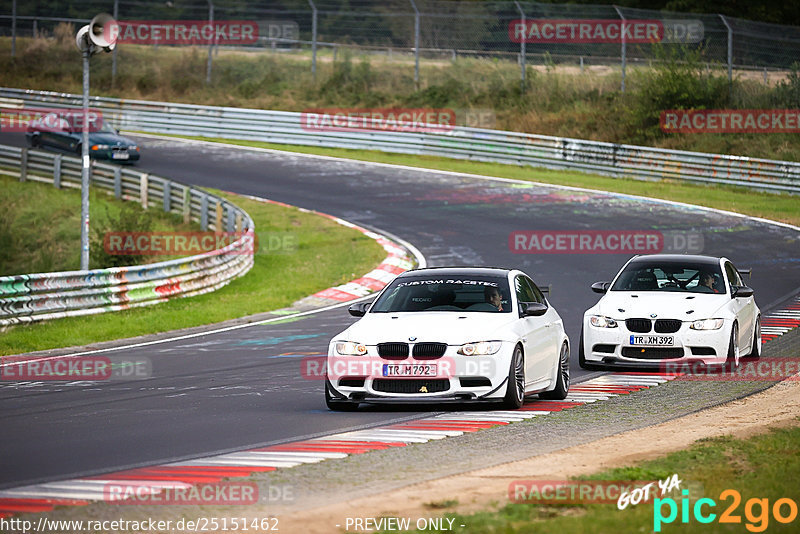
<point x="675" y="277"/>
<point x="466" y="293"/>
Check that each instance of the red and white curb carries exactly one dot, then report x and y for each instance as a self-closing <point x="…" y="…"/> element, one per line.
<point x="44" y="497"/>
<point x="397" y="261"/>
<point x="778" y="323"/>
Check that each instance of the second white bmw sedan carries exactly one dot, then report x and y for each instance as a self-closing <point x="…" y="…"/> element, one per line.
<point x="667" y="310"/>
<point x="450" y="335"/>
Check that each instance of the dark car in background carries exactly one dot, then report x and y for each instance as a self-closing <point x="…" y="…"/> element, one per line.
<point x="63" y="133"/>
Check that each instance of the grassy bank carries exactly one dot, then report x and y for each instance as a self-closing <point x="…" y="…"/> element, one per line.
<point x="323" y="253"/>
<point x="778" y="207"/>
<point x="40" y="228"/>
<point x="557" y="100"/>
<point x="764" y="467"/>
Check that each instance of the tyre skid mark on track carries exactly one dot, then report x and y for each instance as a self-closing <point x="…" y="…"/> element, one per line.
<point x="79" y="492"/>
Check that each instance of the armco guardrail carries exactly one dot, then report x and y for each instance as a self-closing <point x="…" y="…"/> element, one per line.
<point x="466" y="143"/>
<point x="32" y="297"/>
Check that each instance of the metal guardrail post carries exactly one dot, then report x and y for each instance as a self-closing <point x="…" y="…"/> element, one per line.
<point x="144" y="183"/>
<point x="521" y="49"/>
<point x="313" y="40"/>
<point x="210" y="41"/>
<point x="117" y="182"/>
<point x="167" y="193"/>
<point x="187" y="205"/>
<point x="624" y="49"/>
<point x="204" y="212"/>
<point x="23" y="167"/>
<point x="730" y="48"/>
<point x="416" y="44"/>
<point x="57" y="171"/>
<point x="231" y="222"/>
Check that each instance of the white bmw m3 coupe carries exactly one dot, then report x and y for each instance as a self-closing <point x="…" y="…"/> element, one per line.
<point x="450" y="335"/>
<point x="670" y="311"/>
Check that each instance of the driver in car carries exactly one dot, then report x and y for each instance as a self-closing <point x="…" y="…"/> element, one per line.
<point x="706" y="284"/>
<point x="493" y="297"/>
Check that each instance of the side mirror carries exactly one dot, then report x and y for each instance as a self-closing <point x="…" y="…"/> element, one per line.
<point x="601" y="287"/>
<point x="743" y="291"/>
<point x="359" y="309"/>
<point x="532" y="309"/>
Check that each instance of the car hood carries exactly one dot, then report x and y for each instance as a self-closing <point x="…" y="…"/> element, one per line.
<point x="444" y="327"/>
<point x="665" y="305"/>
<point x="102" y="138"/>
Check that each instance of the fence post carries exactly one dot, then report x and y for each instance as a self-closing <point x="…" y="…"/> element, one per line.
<point x="187" y="205"/>
<point x="114" y="52"/>
<point x="522" y="49"/>
<point x="204" y="212"/>
<point x="35" y="28"/>
<point x="416" y="44"/>
<point x="167" y="196"/>
<point x="730" y="48"/>
<point x="313" y="40"/>
<point x="13" y="28"/>
<point x="57" y="172"/>
<point x="144" y="183"/>
<point x="231" y="221"/>
<point x="210" y="41"/>
<point x="23" y="165"/>
<point x="117" y="182"/>
<point x="624" y="50"/>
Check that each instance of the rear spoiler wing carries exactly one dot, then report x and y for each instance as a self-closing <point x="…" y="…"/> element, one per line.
<point x="748" y="272"/>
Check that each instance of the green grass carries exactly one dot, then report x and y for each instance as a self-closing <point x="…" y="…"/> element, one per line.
<point x="40" y="227"/>
<point x="326" y="254"/>
<point x="762" y="467"/>
<point x="774" y="206"/>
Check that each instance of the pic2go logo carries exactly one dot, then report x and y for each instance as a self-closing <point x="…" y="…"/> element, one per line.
<point x="756" y="511"/>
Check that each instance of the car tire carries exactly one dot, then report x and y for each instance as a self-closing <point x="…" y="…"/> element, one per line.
<point x="755" y="351"/>
<point x="562" y="383"/>
<point x="338" y="406"/>
<point x="515" y="390"/>
<point x="79" y="150"/>
<point x="582" y="357"/>
<point x="35" y="141"/>
<point x="732" y="360"/>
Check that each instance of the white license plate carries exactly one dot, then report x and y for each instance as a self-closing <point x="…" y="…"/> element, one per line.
<point x="653" y="341"/>
<point x="120" y="155"/>
<point x="409" y="369"/>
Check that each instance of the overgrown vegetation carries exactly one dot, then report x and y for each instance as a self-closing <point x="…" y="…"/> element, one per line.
<point x="557" y="99"/>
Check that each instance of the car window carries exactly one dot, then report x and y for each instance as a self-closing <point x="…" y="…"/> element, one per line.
<point x="537" y="293"/>
<point x="670" y="276"/>
<point x="460" y="293"/>
<point x="733" y="275"/>
<point x="524" y="291"/>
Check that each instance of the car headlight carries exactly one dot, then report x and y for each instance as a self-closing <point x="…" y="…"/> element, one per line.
<point x="707" y="324"/>
<point x="601" y="321"/>
<point x="133" y="147"/>
<point x="350" y="348"/>
<point x="480" y="348"/>
<point x="100" y="147"/>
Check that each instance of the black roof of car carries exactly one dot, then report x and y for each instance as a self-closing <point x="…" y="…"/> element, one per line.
<point x="677" y="258"/>
<point x="456" y="271"/>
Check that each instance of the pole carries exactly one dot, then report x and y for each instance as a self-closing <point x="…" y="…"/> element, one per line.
<point x="521" y="49"/>
<point x="416" y="44"/>
<point x="210" y="41"/>
<point x="730" y="48"/>
<point x="313" y="40"/>
<point x="85" y="166"/>
<point x="114" y="52"/>
<point x="13" y="28"/>
<point x="624" y="51"/>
